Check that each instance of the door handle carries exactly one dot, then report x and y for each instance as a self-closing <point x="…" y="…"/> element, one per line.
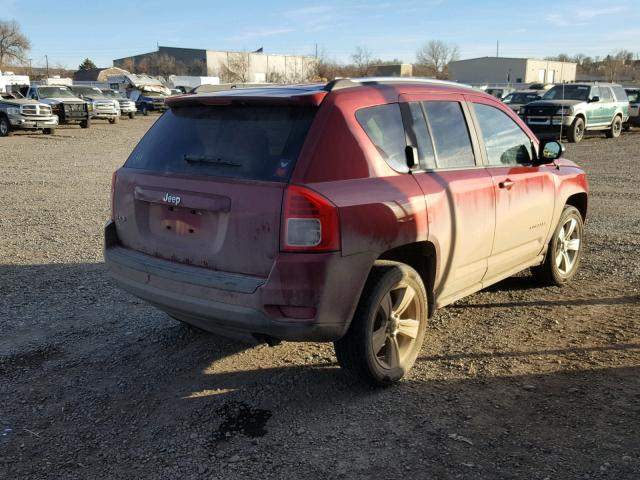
<point x="507" y="184"/>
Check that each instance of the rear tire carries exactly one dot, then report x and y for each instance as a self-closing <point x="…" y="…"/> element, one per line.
<point x="576" y="131"/>
<point x="48" y="131"/>
<point x="388" y="327"/>
<point x="5" y="126"/>
<point x="616" y="128"/>
<point x="564" y="250"/>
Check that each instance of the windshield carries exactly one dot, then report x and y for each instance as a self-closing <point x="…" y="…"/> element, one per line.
<point x="250" y="142"/>
<point x="633" y="96"/>
<point x="55" y="92"/>
<point x="112" y="94"/>
<point x="87" y="91"/>
<point x="520" y="98"/>
<point x="568" y="92"/>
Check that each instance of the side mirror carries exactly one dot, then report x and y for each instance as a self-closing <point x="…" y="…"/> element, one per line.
<point x="411" y="155"/>
<point x="594" y="99"/>
<point x="551" y="150"/>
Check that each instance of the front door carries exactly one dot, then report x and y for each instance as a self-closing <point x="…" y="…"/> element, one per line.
<point x="525" y="194"/>
<point x="459" y="192"/>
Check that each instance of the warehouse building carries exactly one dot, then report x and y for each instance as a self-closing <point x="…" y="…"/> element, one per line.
<point x="499" y="70"/>
<point x="253" y="67"/>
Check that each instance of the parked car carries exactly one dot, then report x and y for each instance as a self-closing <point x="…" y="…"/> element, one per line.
<point x="19" y="113"/>
<point x="127" y="107"/>
<point x="63" y="102"/>
<point x="104" y="108"/>
<point x="517" y="100"/>
<point x="633" y="94"/>
<point x="150" y="102"/>
<point x="499" y="92"/>
<point x="574" y="109"/>
<point x="346" y="212"/>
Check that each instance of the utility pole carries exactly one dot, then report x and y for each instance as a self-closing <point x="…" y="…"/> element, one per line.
<point x="316" y="50"/>
<point x="46" y="57"/>
<point x="497" y="48"/>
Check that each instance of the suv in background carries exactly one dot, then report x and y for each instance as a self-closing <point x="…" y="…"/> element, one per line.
<point x="103" y="108"/>
<point x="346" y="212"/>
<point x="63" y="102"/>
<point x="19" y="113"/>
<point x="634" y="108"/>
<point x="577" y="108"/>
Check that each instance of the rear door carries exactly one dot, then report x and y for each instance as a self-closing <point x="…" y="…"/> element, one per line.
<point x="459" y="191"/>
<point x="204" y="186"/>
<point x="525" y="194"/>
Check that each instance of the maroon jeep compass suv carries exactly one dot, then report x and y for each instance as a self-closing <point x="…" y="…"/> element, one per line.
<point x="346" y="212"/>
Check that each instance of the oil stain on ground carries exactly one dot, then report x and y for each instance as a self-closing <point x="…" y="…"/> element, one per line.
<point x="240" y="418"/>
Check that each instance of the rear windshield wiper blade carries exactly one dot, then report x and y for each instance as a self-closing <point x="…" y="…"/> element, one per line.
<point x="214" y="160"/>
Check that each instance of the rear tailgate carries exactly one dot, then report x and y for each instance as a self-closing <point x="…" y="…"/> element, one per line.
<point x="204" y="187"/>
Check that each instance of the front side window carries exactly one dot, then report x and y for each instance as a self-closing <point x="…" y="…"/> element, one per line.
<point x="423" y="137"/>
<point x="450" y="134"/>
<point x="504" y="140"/>
<point x="384" y="127"/>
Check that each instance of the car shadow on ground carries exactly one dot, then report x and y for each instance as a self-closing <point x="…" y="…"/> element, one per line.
<point x="109" y="371"/>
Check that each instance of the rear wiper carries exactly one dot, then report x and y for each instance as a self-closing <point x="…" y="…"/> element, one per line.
<point x="204" y="159"/>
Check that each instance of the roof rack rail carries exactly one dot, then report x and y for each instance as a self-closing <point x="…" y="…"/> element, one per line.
<point x="341" y="83"/>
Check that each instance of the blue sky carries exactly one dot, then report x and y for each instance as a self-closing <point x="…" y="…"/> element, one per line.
<point x="69" y="31"/>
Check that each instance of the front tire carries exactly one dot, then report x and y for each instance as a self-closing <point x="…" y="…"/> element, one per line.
<point x="113" y="120"/>
<point x="576" y="131"/>
<point x="564" y="250"/>
<point x="616" y="128"/>
<point x="145" y="111"/>
<point x="85" y="123"/>
<point x="5" y="126"/>
<point x="48" y="131"/>
<point x="132" y="115"/>
<point x="388" y="327"/>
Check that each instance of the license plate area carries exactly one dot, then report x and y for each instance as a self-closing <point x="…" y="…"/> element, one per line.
<point x="179" y="221"/>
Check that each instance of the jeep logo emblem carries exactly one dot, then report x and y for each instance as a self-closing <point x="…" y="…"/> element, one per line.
<point x="172" y="199"/>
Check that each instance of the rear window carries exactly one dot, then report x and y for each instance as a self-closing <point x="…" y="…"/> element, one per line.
<point x="249" y="142"/>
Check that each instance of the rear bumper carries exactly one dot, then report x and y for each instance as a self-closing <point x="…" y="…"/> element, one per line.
<point x="326" y="287"/>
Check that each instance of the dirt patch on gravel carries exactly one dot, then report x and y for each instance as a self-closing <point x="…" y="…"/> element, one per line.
<point x="516" y="381"/>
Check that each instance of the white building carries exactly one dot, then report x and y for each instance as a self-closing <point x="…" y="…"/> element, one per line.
<point x="500" y="70"/>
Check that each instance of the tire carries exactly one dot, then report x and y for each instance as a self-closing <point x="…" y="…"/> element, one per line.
<point x="85" y="123"/>
<point x="550" y="272"/>
<point x="627" y="127"/>
<point x="132" y="115"/>
<point x="48" y="131"/>
<point x="5" y="126"/>
<point x="145" y="111"/>
<point x="388" y="327"/>
<point x="576" y="131"/>
<point x="616" y="128"/>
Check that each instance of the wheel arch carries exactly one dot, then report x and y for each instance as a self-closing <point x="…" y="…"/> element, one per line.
<point x="579" y="201"/>
<point x="421" y="256"/>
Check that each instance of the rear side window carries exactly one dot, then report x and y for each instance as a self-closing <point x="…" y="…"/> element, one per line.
<point x="450" y="134"/>
<point x="504" y="140"/>
<point x="621" y="94"/>
<point x="249" y="142"/>
<point x="383" y="125"/>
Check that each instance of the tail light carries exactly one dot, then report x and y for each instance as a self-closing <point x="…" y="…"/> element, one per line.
<point x="114" y="176"/>
<point x="309" y="222"/>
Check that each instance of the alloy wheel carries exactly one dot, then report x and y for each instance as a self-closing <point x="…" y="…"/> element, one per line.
<point x="396" y="326"/>
<point x="567" y="246"/>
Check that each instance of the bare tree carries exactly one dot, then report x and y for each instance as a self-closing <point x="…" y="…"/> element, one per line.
<point x="129" y="65"/>
<point x="437" y="55"/>
<point x="235" y="68"/>
<point x="614" y="64"/>
<point x="13" y="43"/>
<point x="362" y="61"/>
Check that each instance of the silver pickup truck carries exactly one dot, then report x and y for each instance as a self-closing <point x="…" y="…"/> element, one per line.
<point x="103" y="108"/>
<point x="19" y="113"/>
<point x="63" y="102"/>
<point x="127" y="107"/>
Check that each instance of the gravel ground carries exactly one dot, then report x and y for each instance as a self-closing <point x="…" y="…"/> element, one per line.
<point x="516" y="381"/>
